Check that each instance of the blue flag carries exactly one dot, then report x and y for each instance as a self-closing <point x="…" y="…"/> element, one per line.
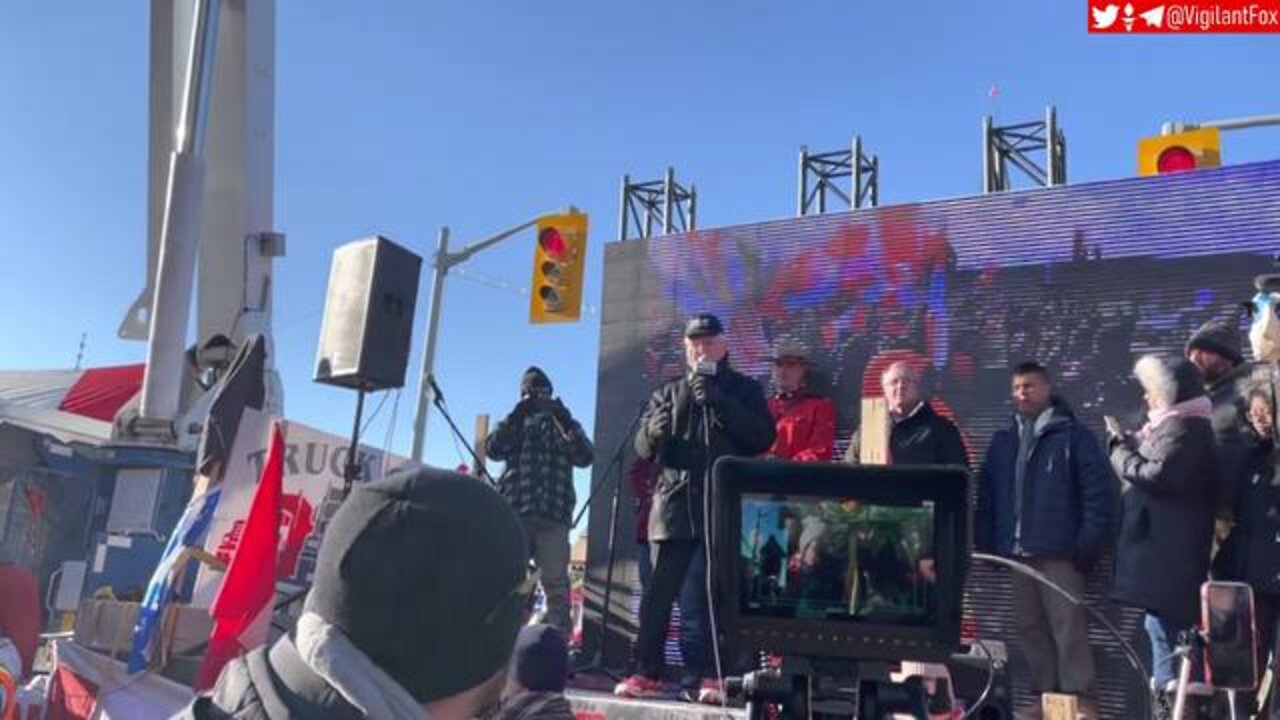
<point x="189" y="532"/>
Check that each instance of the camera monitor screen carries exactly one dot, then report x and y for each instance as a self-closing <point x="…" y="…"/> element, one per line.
<point x="838" y="559"/>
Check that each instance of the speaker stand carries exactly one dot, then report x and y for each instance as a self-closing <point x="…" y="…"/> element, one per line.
<point x="351" y="470"/>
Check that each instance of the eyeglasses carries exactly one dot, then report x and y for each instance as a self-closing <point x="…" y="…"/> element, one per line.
<point x="520" y="595"/>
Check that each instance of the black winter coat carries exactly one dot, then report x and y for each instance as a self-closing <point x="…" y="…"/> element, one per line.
<point x="1069" y="494"/>
<point x="271" y="684"/>
<point x="922" y="438"/>
<point x="1231" y="430"/>
<point x="1167" y="512"/>
<point x="740" y="424"/>
<point x="1251" y="553"/>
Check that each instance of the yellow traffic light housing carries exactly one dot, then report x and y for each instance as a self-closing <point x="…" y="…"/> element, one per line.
<point x="1190" y="150"/>
<point x="558" y="262"/>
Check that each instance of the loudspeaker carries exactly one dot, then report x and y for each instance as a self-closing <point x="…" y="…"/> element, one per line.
<point x="368" y="315"/>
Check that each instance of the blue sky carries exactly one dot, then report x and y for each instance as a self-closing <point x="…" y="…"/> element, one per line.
<point x="398" y="117"/>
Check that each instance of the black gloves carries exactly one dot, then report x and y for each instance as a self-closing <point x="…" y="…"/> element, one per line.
<point x="658" y="426"/>
<point x="704" y="389"/>
<point x="561" y="412"/>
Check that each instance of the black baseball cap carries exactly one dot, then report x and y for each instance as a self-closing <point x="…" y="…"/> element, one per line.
<point x="703" y="325"/>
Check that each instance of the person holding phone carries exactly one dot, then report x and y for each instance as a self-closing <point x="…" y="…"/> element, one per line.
<point x="1169" y="470"/>
<point x="541" y="444"/>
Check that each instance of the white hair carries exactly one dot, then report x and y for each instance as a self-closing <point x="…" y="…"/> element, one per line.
<point x="1157" y="379"/>
<point x="907" y="369"/>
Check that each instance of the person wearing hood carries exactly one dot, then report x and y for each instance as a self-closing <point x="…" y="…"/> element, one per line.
<point x="805" y="422"/>
<point x="398" y="624"/>
<point x="1169" y="472"/>
<point x="541" y="444"/>
<point x="535" y="684"/>
<point x="1047" y="498"/>
<point x="1215" y="351"/>
<point x="711" y="412"/>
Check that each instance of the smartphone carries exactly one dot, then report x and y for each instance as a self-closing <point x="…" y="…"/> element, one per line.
<point x="1227" y="618"/>
<point x="1113" y="425"/>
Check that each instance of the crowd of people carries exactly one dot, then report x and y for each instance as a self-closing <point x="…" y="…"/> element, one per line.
<point x="1051" y="493"/>
<point x="1188" y="494"/>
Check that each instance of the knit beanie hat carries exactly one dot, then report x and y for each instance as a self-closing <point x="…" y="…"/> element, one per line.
<point x="540" y="661"/>
<point x="534" y="378"/>
<point x="1220" y="337"/>
<point x="1189" y="381"/>
<point x="423" y="572"/>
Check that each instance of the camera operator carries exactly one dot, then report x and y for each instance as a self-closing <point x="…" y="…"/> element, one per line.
<point x="541" y="443"/>
<point x="689" y="423"/>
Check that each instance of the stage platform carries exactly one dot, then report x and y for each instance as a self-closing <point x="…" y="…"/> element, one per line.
<point x="593" y="705"/>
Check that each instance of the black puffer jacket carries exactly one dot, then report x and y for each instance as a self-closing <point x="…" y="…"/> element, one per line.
<point x="740" y="424"/>
<point x="271" y="684"/>
<point x="1230" y="428"/>
<point x="922" y="438"/>
<point x="1252" y="552"/>
<point x="1167" y="512"/>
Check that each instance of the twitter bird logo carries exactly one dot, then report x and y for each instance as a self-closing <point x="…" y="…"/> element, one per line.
<point x="1106" y="17"/>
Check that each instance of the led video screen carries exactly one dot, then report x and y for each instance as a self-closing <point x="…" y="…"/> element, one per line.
<point x="1083" y="279"/>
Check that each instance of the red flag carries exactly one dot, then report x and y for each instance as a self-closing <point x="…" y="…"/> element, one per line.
<point x="250" y="583"/>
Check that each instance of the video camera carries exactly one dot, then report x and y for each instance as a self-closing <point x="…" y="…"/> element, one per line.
<point x="842" y="562"/>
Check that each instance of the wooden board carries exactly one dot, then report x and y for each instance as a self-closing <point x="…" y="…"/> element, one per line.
<point x="873" y="435"/>
<point x="1059" y="707"/>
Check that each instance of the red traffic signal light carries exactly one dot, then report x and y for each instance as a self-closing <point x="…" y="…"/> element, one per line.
<point x="552" y="242"/>
<point x="558" y="268"/>
<point x="1180" y="152"/>
<point x="1175" y="158"/>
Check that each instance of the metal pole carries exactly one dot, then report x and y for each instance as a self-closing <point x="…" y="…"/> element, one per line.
<point x="1242" y="123"/>
<point x="193" y="123"/>
<point x="668" y="197"/>
<point x="987" y="166"/>
<point x="693" y="208"/>
<point x="855" y="165"/>
<point x="441" y="266"/>
<point x="1175" y="127"/>
<point x="622" y="207"/>
<point x="351" y="469"/>
<point x="180" y="234"/>
<point x="1051" y="145"/>
<point x="801" y="206"/>
<point x="875" y="185"/>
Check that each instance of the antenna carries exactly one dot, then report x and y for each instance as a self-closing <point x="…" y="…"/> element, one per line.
<point x="80" y="352"/>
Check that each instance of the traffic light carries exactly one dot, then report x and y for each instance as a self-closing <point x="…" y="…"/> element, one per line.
<point x="1190" y="150"/>
<point x="557" y="269"/>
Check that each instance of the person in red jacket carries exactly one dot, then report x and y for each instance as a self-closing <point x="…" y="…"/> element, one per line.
<point x="806" y="423"/>
<point x="20" y="614"/>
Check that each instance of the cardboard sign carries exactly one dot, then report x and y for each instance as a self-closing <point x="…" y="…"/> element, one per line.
<point x="313" y="482"/>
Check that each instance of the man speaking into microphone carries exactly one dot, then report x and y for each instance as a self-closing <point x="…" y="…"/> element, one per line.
<point x="688" y="424"/>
